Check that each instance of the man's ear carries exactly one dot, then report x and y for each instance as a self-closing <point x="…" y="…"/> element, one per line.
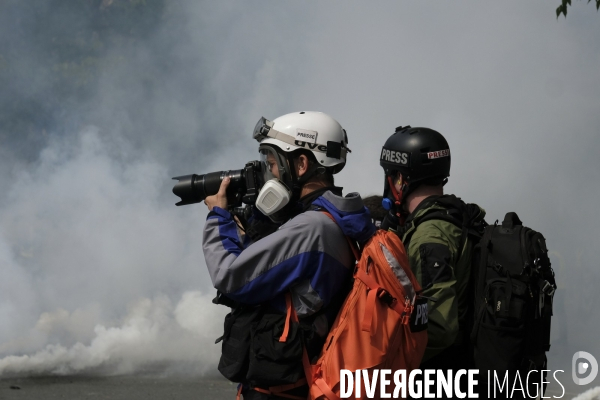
<point x="301" y="164"/>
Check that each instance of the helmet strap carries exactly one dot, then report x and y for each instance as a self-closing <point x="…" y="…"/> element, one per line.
<point x="313" y="170"/>
<point x="398" y="197"/>
<point x="299" y="181"/>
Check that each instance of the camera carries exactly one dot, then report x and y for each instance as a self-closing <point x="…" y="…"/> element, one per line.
<point x="243" y="187"/>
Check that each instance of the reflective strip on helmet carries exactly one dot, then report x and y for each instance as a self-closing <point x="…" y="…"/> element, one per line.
<point x="399" y="272"/>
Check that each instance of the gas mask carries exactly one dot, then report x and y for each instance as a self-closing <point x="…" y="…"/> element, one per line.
<point x="276" y="192"/>
<point x="272" y="197"/>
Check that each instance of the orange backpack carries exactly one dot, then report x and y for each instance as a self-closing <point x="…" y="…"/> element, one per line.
<point x="374" y="328"/>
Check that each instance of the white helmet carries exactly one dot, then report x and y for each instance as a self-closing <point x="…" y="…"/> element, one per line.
<point x="314" y="131"/>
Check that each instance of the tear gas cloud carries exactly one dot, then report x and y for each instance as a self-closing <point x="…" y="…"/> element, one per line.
<point x="98" y="274"/>
<point x="102" y="273"/>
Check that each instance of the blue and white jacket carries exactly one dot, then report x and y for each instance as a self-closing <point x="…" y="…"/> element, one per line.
<point x="308" y="255"/>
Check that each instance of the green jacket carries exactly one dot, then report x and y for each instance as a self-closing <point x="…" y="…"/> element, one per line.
<point x="440" y="258"/>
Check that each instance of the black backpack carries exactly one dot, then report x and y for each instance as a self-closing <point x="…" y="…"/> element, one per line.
<point x="513" y="286"/>
<point x="513" y="290"/>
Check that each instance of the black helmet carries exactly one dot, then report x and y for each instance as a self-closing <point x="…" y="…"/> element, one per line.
<point x="420" y="154"/>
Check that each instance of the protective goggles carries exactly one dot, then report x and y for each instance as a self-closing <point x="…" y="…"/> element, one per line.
<point x="273" y="165"/>
<point x="264" y="129"/>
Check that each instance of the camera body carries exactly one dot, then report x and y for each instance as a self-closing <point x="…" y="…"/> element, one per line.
<point x="243" y="187"/>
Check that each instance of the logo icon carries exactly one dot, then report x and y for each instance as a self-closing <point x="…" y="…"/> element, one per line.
<point x="584" y="363"/>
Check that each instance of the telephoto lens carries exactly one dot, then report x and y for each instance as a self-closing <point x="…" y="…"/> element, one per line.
<point x="243" y="186"/>
<point x="195" y="188"/>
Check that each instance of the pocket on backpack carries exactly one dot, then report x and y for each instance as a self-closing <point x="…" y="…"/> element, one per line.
<point x="272" y="362"/>
<point x="235" y="349"/>
<point x="501" y="335"/>
<point x="499" y="347"/>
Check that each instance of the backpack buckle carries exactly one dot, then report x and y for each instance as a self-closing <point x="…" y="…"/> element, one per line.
<point x="499" y="269"/>
<point x="536" y="265"/>
<point x="386" y="297"/>
<point x="548" y="288"/>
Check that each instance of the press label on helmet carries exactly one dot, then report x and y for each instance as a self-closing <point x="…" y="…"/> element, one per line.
<point x="305" y="135"/>
<point x="438" y="154"/>
<point x="396" y="157"/>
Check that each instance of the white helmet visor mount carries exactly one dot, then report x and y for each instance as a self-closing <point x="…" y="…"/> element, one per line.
<point x="262" y="128"/>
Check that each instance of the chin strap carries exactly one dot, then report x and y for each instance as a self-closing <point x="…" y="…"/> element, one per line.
<point x="298" y="182"/>
<point x="397" y="198"/>
<point x="312" y="171"/>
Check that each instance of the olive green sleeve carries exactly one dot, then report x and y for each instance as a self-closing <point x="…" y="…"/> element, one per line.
<point x="432" y="256"/>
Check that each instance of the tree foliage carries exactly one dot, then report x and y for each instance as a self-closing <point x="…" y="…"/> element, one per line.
<point x="562" y="9"/>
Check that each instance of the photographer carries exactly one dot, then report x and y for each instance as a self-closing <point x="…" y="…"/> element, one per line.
<point x="307" y="257"/>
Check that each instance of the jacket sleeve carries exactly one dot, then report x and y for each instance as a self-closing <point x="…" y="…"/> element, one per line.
<point x="309" y="247"/>
<point x="432" y="256"/>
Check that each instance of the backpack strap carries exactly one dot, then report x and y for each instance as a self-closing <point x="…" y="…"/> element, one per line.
<point x="481" y="276"/>
<point x="326" y="390"/>
<point x="485" y="254"/>
<point x="459" y="214"/>
<point x="352" y="244"/>
<point x="290" y="315"/>
<point x="406" y="232"/>
<point x="279" y="390"/>
<point x="375" y="292"/>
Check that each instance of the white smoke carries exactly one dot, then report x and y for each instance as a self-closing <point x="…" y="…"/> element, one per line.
<point x="591" y="394"/>
<point x="92" y="253"/>
<point x="153" y="335"/>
